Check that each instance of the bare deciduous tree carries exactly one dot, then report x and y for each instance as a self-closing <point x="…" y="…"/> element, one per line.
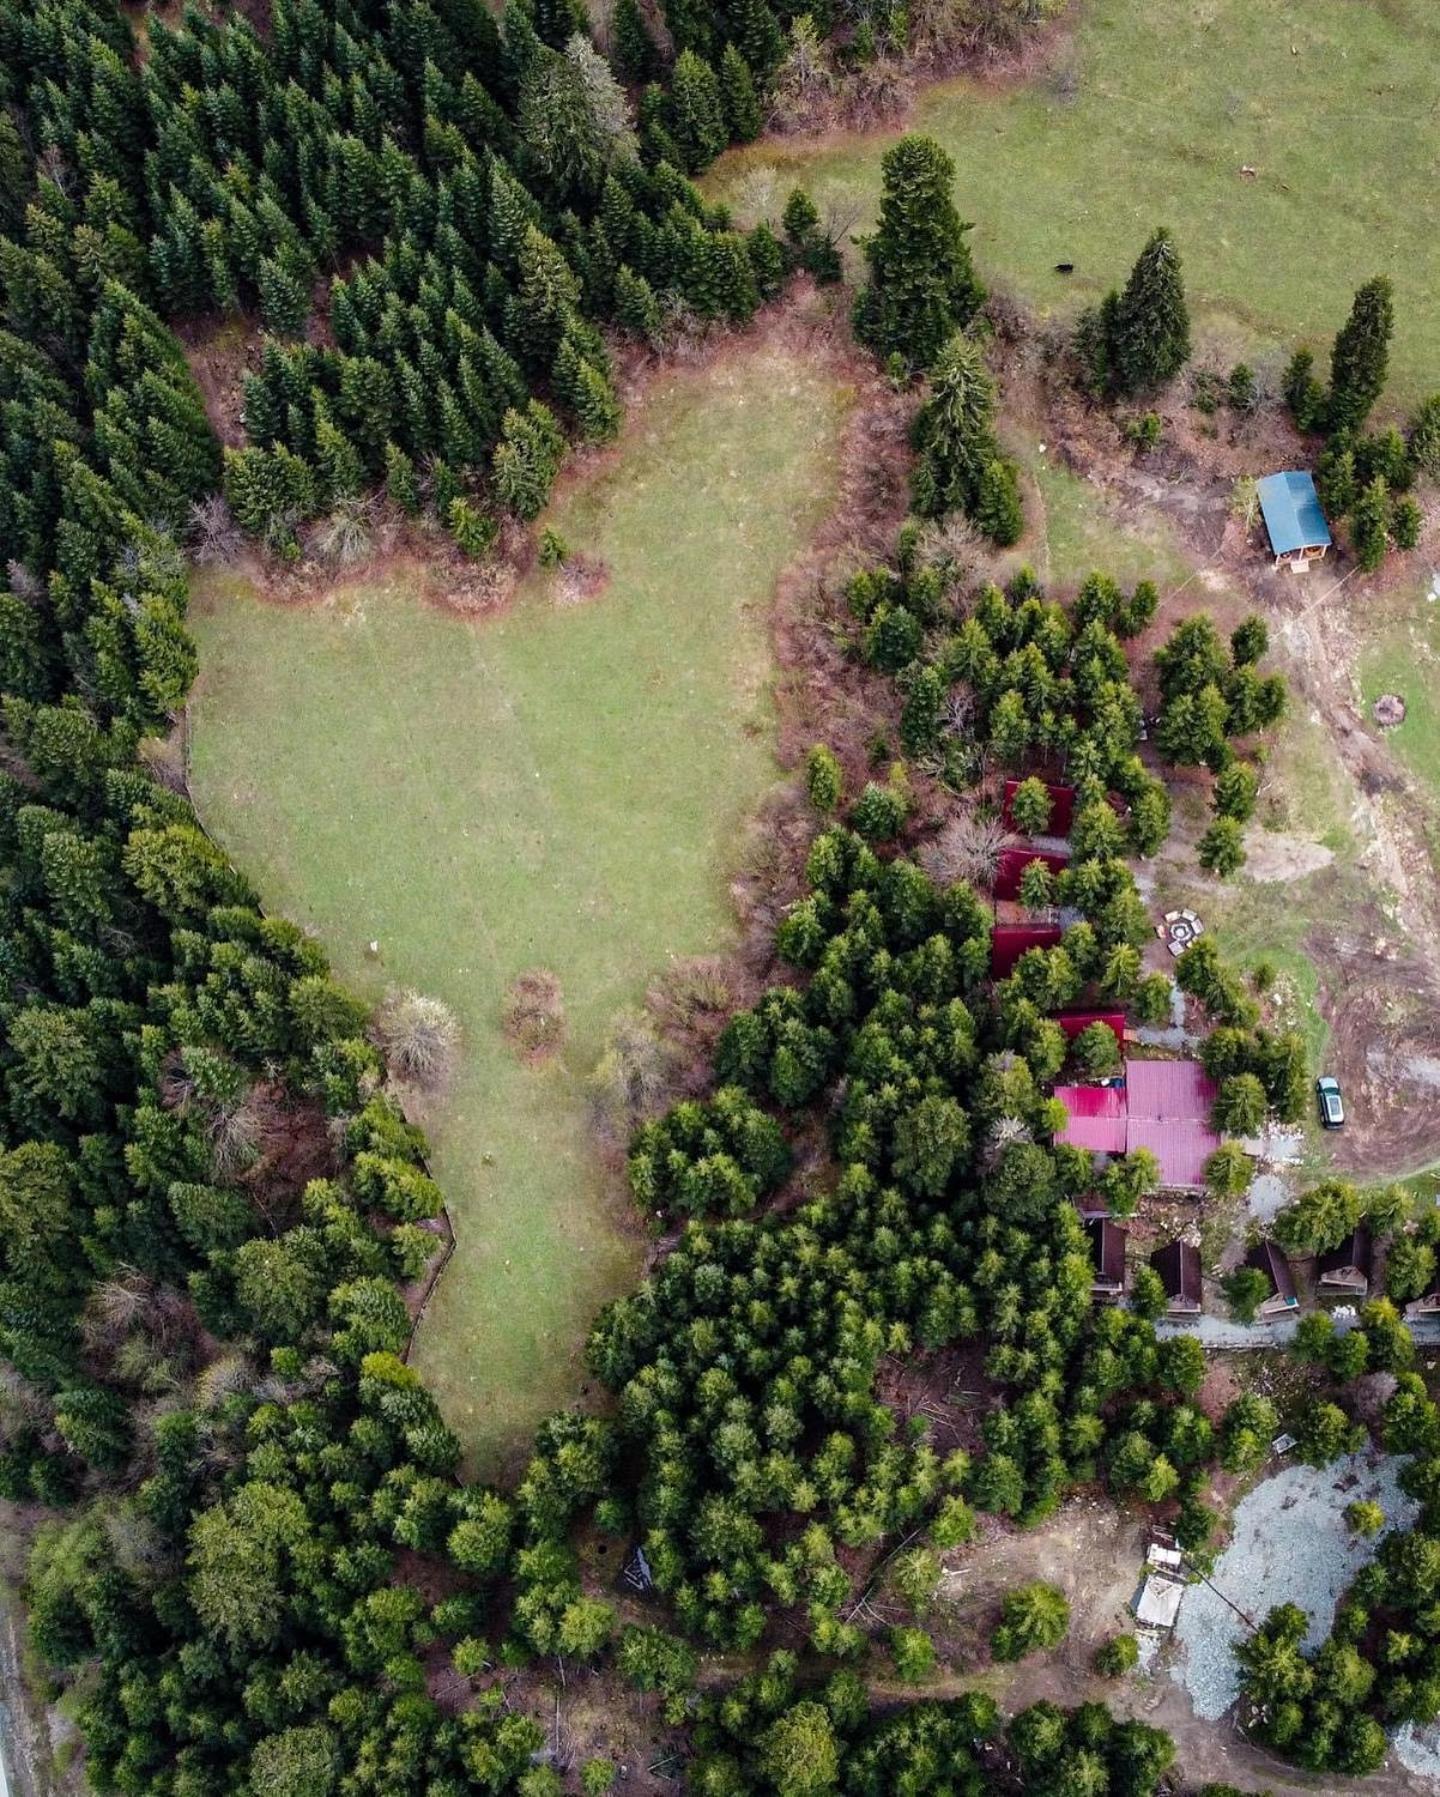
<point x="967" y="848"/>
<point x="419" y="1038"/>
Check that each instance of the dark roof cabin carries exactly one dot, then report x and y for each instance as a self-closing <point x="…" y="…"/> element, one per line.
<point x="1346" y="1269"/>
<point x="1268" y="1259"/>
<point x="1294" y="521"/>
<point x="1179" y="1268"/>
<point x="1428" y="1306"/>
<point x="1107" y="1254"/>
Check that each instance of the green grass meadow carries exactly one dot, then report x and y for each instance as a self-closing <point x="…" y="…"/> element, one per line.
<point x="559" y="787"/>
<point x="1404" y="657"/>
<point x="1147" y="117"/>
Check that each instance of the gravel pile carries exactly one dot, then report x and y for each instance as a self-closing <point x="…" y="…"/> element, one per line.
<point x="1418" y="1749"/>
<point x="1290" y="1546"/>
<point x="1269" y="1194"/>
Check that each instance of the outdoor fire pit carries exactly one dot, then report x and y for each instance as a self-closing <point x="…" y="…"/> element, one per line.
<point x="1179" y="930"/>
<point x="1389" y="710"/>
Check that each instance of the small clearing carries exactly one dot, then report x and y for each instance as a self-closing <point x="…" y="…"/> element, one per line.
<point x="553" y="787"/>
<point x="1290" y="1545"/>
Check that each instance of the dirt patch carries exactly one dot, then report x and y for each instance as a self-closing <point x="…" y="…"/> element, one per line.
<point x="1272" y="856"/>
<point x="533" y="1014"/>
<point x="579" y="579"/>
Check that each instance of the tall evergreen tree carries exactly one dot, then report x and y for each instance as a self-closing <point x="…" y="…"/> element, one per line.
<point x="632" y="49"/>
<point x="757" y="33"/>
<point x="1361" y="356"/>
<point x="922" y="283"/>
<point x="738" y="96"/>
<point x="954" y="431"/>
<point x="695" y="113"/>
<point x="1150" y="335"/>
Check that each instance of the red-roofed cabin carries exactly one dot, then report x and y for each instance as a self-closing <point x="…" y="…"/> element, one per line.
<point x="1073" y="1022"/>
<point x="1013" y="863"/>
<point x="1008" y="941"/>
<point x="1062" y="807"/>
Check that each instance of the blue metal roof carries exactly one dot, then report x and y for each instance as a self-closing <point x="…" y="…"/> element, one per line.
<point x="1292" y="513"/>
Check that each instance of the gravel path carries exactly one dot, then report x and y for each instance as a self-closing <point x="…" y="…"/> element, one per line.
<point x="1290" y="1545"/>
<point x="1215" y="1332"/>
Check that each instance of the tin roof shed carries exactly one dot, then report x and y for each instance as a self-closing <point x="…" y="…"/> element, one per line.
<point x="1294" y="521"/>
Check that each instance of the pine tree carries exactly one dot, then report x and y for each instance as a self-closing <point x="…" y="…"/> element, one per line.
<point x="637" y="310"/>
<point x="1361" y="356"/>
<point x="547" y="298"/>
<point x="401" y="484"/>
<point x="1150" y="341"/>
<point x="526" y="460"/>
<point x="1370" y="524"/>
<point x="758" y="36"/>
<point x="998" y="510"/>
<point x="284" y="301"/>
<point x="341" y="474"/>
<point x="738" y="96"/>
<point x="695" y="115"/>
<point x="922" y="284"/>
<point x="691" y="24"/>
<point x="632" y="48"/>
<point x="473" y="530"/>
<point x="954" y="432"/>
<point x="767" y="258"/>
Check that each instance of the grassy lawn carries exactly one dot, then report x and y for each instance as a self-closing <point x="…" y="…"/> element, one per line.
<point x="1075" y="532"/>
<point x="560" y="787"/>
<point x="1404" y="657"/>
<point x="1151" y="115"/>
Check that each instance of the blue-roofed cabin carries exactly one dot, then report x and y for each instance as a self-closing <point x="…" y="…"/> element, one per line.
<point x="1294" y="521"/>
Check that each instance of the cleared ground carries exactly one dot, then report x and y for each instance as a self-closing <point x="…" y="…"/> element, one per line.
<point x="1150" y="114"/>
<point x="559" y="787"/>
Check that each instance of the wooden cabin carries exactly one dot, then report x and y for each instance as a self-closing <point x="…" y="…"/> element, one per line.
<point x="1268" y="1259"/>
<point x="1178" y="1265"/>
<point x="1345" y="1271"/>
<point x="1107" y="1255"/>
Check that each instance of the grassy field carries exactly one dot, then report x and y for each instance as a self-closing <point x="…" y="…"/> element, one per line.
<point x="560" y="787"/>
<point x="1404" y="657"/>
<point x="1147" y="118"/>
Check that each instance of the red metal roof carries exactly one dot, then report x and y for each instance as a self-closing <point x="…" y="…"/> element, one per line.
<point x="1013" y="863"/>
<point x="1169" y="1089"/>
<point x="1163" y="1106"/>
<point x="1073" y="1022"/>
<point x="1181" y="1146"/>
<point x="1009" y="941"/>
<point x="1062" y="807"/>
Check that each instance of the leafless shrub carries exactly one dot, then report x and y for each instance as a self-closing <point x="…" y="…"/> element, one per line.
<point x="758" y="196"/>
<point x="952" y="546"/>
<point x="214" y="535"/>
<point x="874" y="93"/>
<point x="136" y="1544"/>
<point x="23" y="584"/>
<point x="630" y="1081"/>
<point x="697" y="989"/>
<point x="347" y="535"/>
<point x="533" y="1014"/>
<point x="237" y="1137"/>
<point x="419" y="1038"/>
<point x="1004" y="1132"/>
<point x="116" y="1306"/>
<point x="803" y="95"/>
<point x="225" y="1377"/>
<point x="967" y="848"/>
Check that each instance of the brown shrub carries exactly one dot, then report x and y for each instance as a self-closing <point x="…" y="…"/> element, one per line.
<point x="533" y="1014"/>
